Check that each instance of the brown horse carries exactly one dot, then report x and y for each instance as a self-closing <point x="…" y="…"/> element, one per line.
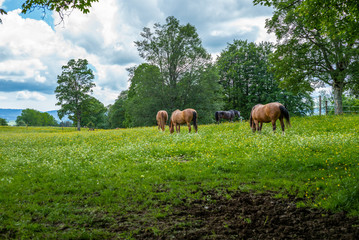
<point x="268" y="113"/>
<point x="161" y="118"/>
<point x="180" y="117"/>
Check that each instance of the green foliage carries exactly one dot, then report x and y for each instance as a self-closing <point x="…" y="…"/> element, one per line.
<point x="204" y="93"/>
<point x="3" y="122"/>
<point x="33" y="117"/>
<point x="350" y="101"/>
<point x="116" y="112"/>
<point x="244" y="75"/>
<point x="93" y="111"/>
<point x="2" y="12"/>
<point x="59" y="6"/>
<point x="146" y="95"/>
<point x="61" y="184"/>
<point x="74" y="85"/>
<point x="317" y="43"/>
<point x="178" y="74"/>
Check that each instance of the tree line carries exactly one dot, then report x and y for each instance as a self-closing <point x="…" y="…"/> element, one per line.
<point x="179" y="73"/>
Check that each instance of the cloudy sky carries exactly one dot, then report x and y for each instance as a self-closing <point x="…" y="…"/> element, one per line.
<point x="34" y="47"/>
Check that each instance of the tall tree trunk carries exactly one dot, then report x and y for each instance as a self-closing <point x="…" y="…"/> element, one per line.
<point x="78" y="121"/>
<point x="338" y="102"/>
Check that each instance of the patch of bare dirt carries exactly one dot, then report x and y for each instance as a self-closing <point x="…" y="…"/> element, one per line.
<point x="250" y="216"/>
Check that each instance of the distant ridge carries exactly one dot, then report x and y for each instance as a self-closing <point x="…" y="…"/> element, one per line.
<point x="11" y="114"/>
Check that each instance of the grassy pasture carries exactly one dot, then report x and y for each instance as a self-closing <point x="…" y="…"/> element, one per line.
<point x="63" y="184"/>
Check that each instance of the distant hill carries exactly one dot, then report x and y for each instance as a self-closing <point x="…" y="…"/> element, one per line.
<point x="10" y="115"/>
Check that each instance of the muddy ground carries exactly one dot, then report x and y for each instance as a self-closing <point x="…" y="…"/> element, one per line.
<point x="249" y="216"/>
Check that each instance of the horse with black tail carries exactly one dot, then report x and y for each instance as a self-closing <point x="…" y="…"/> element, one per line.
<point x="230" y="115"/>
<point x="181" y="117"/>
<point x="268" y="113"/>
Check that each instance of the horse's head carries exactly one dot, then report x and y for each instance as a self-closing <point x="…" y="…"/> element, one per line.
<point x="172" y="129"/>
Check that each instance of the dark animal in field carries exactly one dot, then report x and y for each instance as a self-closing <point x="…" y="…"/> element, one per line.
<point x="161" y="118"/>
<point x="181" y="117"/>
<point x="268" y="113"/>
<point x="229" y="115"/>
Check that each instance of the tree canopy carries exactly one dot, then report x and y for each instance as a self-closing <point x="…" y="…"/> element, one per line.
<point x="93" y="113"/>
<point x="117" y="111"/>
<point x="74" y="86"/>
<point x="33" y="117"/>
<point x="176" y="50"/>
<point x="172" y="77"/>
<point x="3" y="122"/>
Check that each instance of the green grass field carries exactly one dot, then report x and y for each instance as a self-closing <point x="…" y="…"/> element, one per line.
<point x="63" y="184"/>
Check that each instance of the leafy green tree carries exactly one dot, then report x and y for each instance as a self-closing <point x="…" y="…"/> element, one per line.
<point x="351" y="104"/>
<point x="20" y="123"/>
<point x="3" y="122"/>
<point x="201" y="90"/>
<point x="244" y="75"/>
<point x="116" y="113"/>
<point x="33" y="117"/>
<point x="172" y="78"/>
<point x="74" y="85"/>
<point x="93" y="111"/>
<point x="146" y="95"/>
<point x="318" y="42"/>
<point x="176" y="50"/>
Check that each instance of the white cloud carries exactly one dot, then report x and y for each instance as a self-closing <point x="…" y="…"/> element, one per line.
<point x="27" y="95"/>
<point x="27" y="99"/>
<point x="34" y="51"/>
<point x="240" y="26"/>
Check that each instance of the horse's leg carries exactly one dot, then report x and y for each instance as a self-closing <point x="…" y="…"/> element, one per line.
<point x="282" y="124"/>
<point x="179" y="128"/>
<point x="253" y="127"/>
<point x="274" y="125"/>
<point x="189" y="127"/>
<point x="259" y="126"/>
<point x="256" y="125"/>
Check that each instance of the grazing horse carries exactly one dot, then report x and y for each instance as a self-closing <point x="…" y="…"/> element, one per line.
<point x="161" y="118"/>
<point x="180" y="117"/>
<point x="268" y="113"/>
<point x="230" y="115"/>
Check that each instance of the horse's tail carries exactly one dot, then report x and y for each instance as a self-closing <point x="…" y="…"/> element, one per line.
<point x="250" y="120"/>
<point x="163" y="121"/>
<point x="195" y="120"/>
<point x="285" y="114"/>
<point x="217" y="117"/>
